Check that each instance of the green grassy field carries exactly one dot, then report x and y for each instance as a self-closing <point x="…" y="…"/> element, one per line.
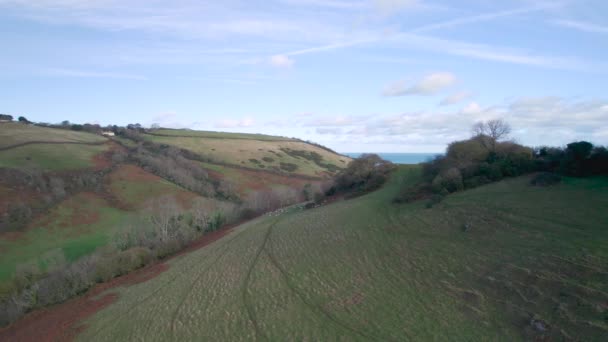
<point x="51" y="157"/>
<point x="77" y="226"/>
<point x="40" y="155"/>
<point x="83" y="222"/>
<point x="366" y="269"/>
<point x="17" y="133"/>
<point x="259" y="153"/>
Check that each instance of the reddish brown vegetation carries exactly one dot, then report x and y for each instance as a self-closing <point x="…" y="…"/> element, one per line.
<point x="64" y="321"/>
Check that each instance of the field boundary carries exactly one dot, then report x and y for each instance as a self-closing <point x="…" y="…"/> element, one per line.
<point x="34" y="142"/>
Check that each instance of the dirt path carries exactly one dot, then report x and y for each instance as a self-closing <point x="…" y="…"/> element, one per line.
<point x="63" y="322"/>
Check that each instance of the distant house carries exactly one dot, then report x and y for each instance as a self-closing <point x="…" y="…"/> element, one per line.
<point x="108" y="133"/>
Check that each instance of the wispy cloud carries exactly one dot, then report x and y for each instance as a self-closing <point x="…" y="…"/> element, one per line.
<point x="456" y="98"/>
<point x="59" y="72"/>
<point x="484" y="17"/>
<point x="281" y="61"/>
<point x="582" y="26"/>
<point x="428" y="85"/>
<point x="411" y="38"/>
<point x="235" y="123"/>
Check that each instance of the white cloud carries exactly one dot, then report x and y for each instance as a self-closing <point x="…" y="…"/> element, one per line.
<point x="429" y="85"/>
<point x="281" y="61"/>
<point x="337" y="121"/>
<point x="456" y="98"/>
<point x="582" y="26"/>
<point x="471" y="109"/>
<point x="324" y="130"/>
<point x="235" y="123"/>
<point x="536" y="121"/>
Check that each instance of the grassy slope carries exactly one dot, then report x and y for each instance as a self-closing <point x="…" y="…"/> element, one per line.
<point x="239" y="149"/>
<point x="77" y="225"/>
<point x="51" y="157"/>
<point x="81" y="223"/>
<point x="368" y="270"/>
<point x="16" y="133"/>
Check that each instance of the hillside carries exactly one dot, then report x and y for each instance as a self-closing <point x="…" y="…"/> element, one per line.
<point x="505" y="261"/>
<point x="32" y="147"/>
<point x="254" y="151"/>
<point x="69" y="193"/>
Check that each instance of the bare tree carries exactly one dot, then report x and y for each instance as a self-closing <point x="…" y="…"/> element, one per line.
<point x="491" y="131"/>
<point x="496" y="129"/>
<point x="478" y="129"/>
<point x="163" y="214"/>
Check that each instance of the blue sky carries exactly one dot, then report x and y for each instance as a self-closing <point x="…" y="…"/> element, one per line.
<point x="358" y="76"/>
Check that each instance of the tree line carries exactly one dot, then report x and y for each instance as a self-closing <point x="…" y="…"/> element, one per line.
<point x="488" y="156"/>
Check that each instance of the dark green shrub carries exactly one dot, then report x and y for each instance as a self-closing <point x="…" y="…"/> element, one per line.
<point x="268" y="159"/>
<point x="475" y="181"/>
<point x="216" y="221"/>
<point x="289" y="167"/>
<point x="435" y="199"/>
<point x="546" y="179"/>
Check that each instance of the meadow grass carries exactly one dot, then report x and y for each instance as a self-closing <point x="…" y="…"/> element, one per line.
<point x="56" y="157"/>
<point x="135" y="187"/>
<point x="77" y="226"/>
<point x="17" y="133"/>
<point x="366" y="269"/>
<point x="251" y="153"/>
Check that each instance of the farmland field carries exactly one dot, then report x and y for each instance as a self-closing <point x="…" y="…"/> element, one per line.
<point x="49" y="149"/>
<point x="262" y="154"/>
<point x="17" y="133"/>
<point x="51" y="157"/>
<point x="77" y="226"/>
<point x="530" y="260"/>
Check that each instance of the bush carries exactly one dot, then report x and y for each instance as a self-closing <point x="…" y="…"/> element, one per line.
<point x="546" y="179"/>
<point x="366" y="173"/>
<point x="289" y="167"/>
<point x="418" y="192"/>
<point x="216" y="222"/>
<point x="434" y="200"/>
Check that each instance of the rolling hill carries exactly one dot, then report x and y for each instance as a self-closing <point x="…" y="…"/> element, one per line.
<point x="254" y="151"/>
<point x="71" y="191"/>
<point x="506" y="261"/>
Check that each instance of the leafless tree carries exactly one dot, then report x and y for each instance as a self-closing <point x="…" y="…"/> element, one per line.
<point x="163" y="213"/>
<point x="496" y="129"/>
<point x="491" y="131"/>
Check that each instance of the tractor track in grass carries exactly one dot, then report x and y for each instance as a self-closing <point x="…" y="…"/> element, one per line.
<point x="10" y="147"/>
<point x="163" y="287"/>
<point x="174" y="316"/>
<point x="314" y="308"/>
<point x="244" y="295"/>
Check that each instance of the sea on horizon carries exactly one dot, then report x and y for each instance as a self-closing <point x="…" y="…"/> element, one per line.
<point x="400" y="158"/>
